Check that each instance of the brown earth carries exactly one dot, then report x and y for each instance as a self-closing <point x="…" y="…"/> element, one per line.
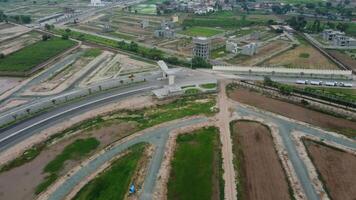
<point x="344" y="59"/>
<point x="292" y="59"/>
<point x="31" y="174"/>
<point x="261" y="174"/>
<point x="337" y="169"/>
<point x="294" y="111"/>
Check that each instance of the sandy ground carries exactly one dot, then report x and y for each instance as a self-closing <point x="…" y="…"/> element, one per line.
<point x="117" y="66"/>
<point x="18" y="43"/>
<point x="343" y="58"/>
<point x="266" y="51"/>
<point x="337" y="169"/>
<point x="292" y="59"/>
<point x="8" y="31"/>
<point x="7" y="83"/>
<point x="262" y="172"/>
<point x="291" y="110"/>
<point x="224" y="117"/>
<point x="12" y="103"/>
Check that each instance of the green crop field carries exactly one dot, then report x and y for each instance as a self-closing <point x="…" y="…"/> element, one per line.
<point x="34" y="54"/>
<point x="115" y="181"/>
<point x="196" y="166"/>
<point x="201" y="31"/>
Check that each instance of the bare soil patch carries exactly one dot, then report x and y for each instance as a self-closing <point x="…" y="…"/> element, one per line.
<point x="293" y="59"/>
<point x="12" y="103"/>
<point x="31" y="173"/>
<point x="337" y="169"/>
<point x="294" y="111"/>
<point x="260" y="173"/>
<point x="344" y="59"/>
<point x="7" y="83"/>
<point x="263" y="53"/>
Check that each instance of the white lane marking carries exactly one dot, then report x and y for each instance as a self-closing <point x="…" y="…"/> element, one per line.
<point x="66" y="111"/>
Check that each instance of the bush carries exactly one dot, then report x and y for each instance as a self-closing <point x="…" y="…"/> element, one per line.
<point x="198" y="62"/>
<point x="45" y="37"/>
<point x="65" y="36"/>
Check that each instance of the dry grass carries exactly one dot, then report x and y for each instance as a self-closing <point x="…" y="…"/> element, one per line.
<point x="292" y="59"/>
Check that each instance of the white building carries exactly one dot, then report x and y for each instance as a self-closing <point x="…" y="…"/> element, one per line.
<point x="329" y="34"/>
<point x="144" y="23"/>
<point x="338" y="38"/>
<point x="96" y="3"/>
<point x="249" y="49"/>
<point x="344" y="41"/>
<point x="232" y="47"/>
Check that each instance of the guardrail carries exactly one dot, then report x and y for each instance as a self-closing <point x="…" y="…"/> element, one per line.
<point x="25" y="112"/>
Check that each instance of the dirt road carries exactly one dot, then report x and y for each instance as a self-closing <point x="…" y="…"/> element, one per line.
<point x="223" y="119"/>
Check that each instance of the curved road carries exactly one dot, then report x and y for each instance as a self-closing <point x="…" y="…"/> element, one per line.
<point x="26" y="128"/>
<point x="285" y="129"/>
<point x="158" y="137"/>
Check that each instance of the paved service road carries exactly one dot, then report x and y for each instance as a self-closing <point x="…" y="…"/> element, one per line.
<point x="24" y="129"/>
<point x="285" y="128"/>
<point x="158" y="137"/>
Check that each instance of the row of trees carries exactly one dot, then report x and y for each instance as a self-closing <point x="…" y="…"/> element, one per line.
<point x="20" y="19"/>
<point x="300" y="23"/>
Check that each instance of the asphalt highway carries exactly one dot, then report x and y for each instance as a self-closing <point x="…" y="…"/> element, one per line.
<point x="28" y="127"/>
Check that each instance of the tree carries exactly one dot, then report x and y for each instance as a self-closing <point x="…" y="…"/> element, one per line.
<point x="133" y="47"/>
<point x="267" y="81"/>
<point x="285" y="89"/>
<point x="45" y="37"/>
<point x="342" y="26"/>
<point x="2" y="55"/>
<point x="47" y="27"/>
<point x="198" y="62"/>
<point x="65" y="36"/>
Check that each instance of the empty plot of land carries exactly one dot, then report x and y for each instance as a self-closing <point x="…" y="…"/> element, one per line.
<point x="71" y="72"/>
<point x="263" y="53"/>
<point x="337" y="170"/>
<point x="196" y="166"/>
<point x="118" y="65"/>
<point x="302" y="56"/>
<point x="7" y="83"/>
<point x="344" y="58"/>
<point x="12" y="103"/>
<point x="10" y="30"/>
<point x="260" y="173"/>
<point x="295" y="111"/>
<point x="18" y="43"/>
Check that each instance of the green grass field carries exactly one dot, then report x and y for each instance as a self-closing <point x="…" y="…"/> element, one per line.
<point x="114" y="182"/>
<point x="94" y="52"/>
<point x="34" y="54"/>
<point x="208" y="85"/>
<point x="201" y="31"/>
<point x="196" y="166"/>
<point x="147" y="9"/>
<point x="76" y="150"/>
